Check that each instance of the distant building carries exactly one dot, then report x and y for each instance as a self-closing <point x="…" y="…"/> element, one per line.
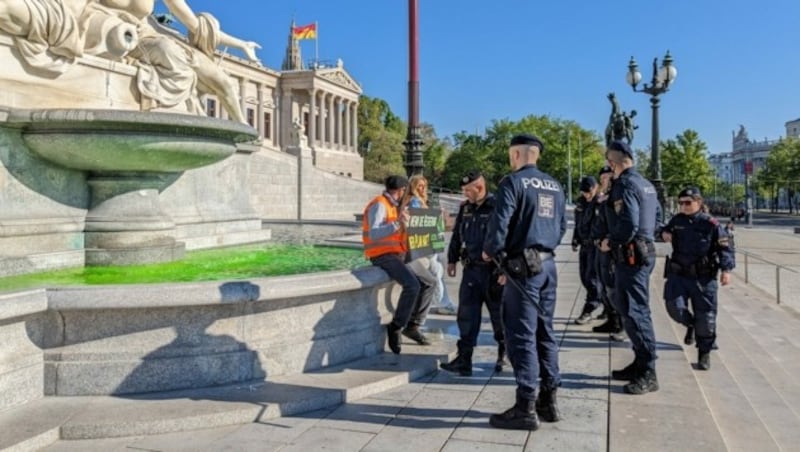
<point x="722" y="165"/>
<point x="793" y="128"/>
<point x="322" y="96"/>
<point x="748" y="156"/>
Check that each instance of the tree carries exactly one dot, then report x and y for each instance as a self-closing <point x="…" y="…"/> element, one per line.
<point x="782" y="169"/>
<point x="684" y="163"/>
<point x="380" y="139"/>
<point x="489" y="151"/>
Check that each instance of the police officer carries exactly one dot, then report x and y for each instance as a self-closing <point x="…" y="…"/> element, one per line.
<point x="604" y="264"/>
<point x="700" y="248"/>
<point x="582" y="238"/>
<point x="526" y="227"/>
<point x="632" y="221"/>
<point x="479" y="282"/>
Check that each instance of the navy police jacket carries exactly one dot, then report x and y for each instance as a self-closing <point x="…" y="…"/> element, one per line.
<point x="529" y="212"/>
<point x="585" y="214"/>
<point x="633" y="209"/>
<point x="699" y="235"/>
<point x="469" y="231"/>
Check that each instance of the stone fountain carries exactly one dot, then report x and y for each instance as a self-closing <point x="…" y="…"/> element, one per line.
<point x="106" y="155"/>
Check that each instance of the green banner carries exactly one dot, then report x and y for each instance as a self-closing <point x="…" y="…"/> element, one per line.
<point x="425" y="232"/>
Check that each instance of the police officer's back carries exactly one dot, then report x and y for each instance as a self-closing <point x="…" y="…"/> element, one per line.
<point x="528" y="224"/>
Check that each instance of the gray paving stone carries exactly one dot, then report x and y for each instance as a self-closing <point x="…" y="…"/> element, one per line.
<point x="554" y="438"/>
<point x="318" y="438"/>
<point x="366" y="415"/>
<point x="455" y="445"/>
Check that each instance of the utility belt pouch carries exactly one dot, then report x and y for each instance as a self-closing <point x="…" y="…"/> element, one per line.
<point x="517" y="267"/>
<point x="533" y="260"/>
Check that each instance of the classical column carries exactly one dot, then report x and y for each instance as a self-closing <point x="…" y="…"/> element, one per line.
<point x="339" y="123"/>
<point x="276" y="118"/>
<point x="329" y="121"/>
<point x="323" y="112"/>
<point x="260" y="110"/>
<point x="312" y="119"/>
<point x="348" y="145"/>
<point x="354" y="128"/>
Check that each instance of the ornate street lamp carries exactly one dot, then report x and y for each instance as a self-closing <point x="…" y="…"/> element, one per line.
<point x="662" y="79"/>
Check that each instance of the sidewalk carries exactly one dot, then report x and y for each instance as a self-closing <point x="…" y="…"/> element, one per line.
<point x="749" y="400"/>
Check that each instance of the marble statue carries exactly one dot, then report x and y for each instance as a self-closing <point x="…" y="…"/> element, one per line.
<point x="298" y="137"/>
<point x="172" y="70"/>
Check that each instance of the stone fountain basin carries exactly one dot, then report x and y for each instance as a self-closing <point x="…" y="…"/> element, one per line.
<point x="127" y="141"/>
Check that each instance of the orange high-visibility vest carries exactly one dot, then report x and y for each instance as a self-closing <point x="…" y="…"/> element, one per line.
<point x="392" y="244"/>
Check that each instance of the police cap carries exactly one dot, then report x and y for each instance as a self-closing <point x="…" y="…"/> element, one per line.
<point x="621" y="146"/>
<point x="531" y="140"/>
<point x="690" y="192"/>
<point x="396" y="181"/>
<point x="605" y="170"/>
<point x="587" y="183"/>
<point x="470" y="177"/>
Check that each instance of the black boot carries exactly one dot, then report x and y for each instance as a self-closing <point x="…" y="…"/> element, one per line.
<point x="688" y="339"/>
<point x="521" y="416"/>
<point x="546" y="406"/>
<point x="393" y="337"/>
<point x="645" y="382"/>
<point x="462" y="364"/>
<point x="501" y="357"/>
<point x="630" y="372"/>
<point x="612" y="325"/>
<point x="704" y="360"/>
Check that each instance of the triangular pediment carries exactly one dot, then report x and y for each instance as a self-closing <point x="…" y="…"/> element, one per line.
<point x="340" y="77"/>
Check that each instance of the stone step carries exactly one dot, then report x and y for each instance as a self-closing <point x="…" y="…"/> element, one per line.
<point x="775" y="328"/>
<point x="650" y="421"/>
<point x="39" y="423"/>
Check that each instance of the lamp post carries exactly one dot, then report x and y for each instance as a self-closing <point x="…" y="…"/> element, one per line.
<point x="662" y="78"/>
<point x="413" y="141"/>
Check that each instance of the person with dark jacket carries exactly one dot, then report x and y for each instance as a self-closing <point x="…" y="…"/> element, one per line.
<point x="585" y="213"/>
<point x="701" y="248"/>
<point x="527" y="225"/>
<point x="479" y="281"/>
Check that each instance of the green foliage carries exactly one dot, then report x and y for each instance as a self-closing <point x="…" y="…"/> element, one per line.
<point x="684" y="162"/>
<point x="781" y="170"/>
<point x="380" y="139"/>
<point x="489" y="151"/>
<point x="209" y="265"/>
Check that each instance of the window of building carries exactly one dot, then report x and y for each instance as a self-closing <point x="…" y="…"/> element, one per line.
<point x="211" y="108"/>
<point x="251" y="117"/>
<point x="267" y="125"/>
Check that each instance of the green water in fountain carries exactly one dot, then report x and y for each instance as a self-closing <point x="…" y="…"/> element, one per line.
<point x="253" y="261"/>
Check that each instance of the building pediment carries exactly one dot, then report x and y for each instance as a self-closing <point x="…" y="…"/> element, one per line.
<point x="340" y="77"/>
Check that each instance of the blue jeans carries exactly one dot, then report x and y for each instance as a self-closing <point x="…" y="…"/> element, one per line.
<point x="530" y="339"/>
<point x="409" y="303"/>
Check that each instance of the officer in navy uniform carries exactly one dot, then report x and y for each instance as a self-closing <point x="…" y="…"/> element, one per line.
<point x="528" y="224"/>
<point x="479" y="282"/>
<point x="700" y="248"/>
<point x="581" y="238"/>
<point x="604" y="263"/>
<point x="632" y="222"/>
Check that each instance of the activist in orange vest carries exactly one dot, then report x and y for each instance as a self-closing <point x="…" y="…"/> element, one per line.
<point x="384" y="236"/>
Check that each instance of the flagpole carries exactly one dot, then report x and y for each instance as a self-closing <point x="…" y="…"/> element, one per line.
<point x="316" y="45"/>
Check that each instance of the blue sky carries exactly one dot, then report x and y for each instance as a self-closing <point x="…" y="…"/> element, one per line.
<point x="737" y="60"/>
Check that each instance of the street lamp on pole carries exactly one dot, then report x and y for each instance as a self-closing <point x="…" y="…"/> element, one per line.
<point x="662" y="78"/>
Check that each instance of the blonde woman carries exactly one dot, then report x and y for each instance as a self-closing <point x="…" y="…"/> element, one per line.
<point x="416" y="196"/>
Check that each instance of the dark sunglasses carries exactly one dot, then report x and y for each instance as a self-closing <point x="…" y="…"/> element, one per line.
<point x="685" y="203"/>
